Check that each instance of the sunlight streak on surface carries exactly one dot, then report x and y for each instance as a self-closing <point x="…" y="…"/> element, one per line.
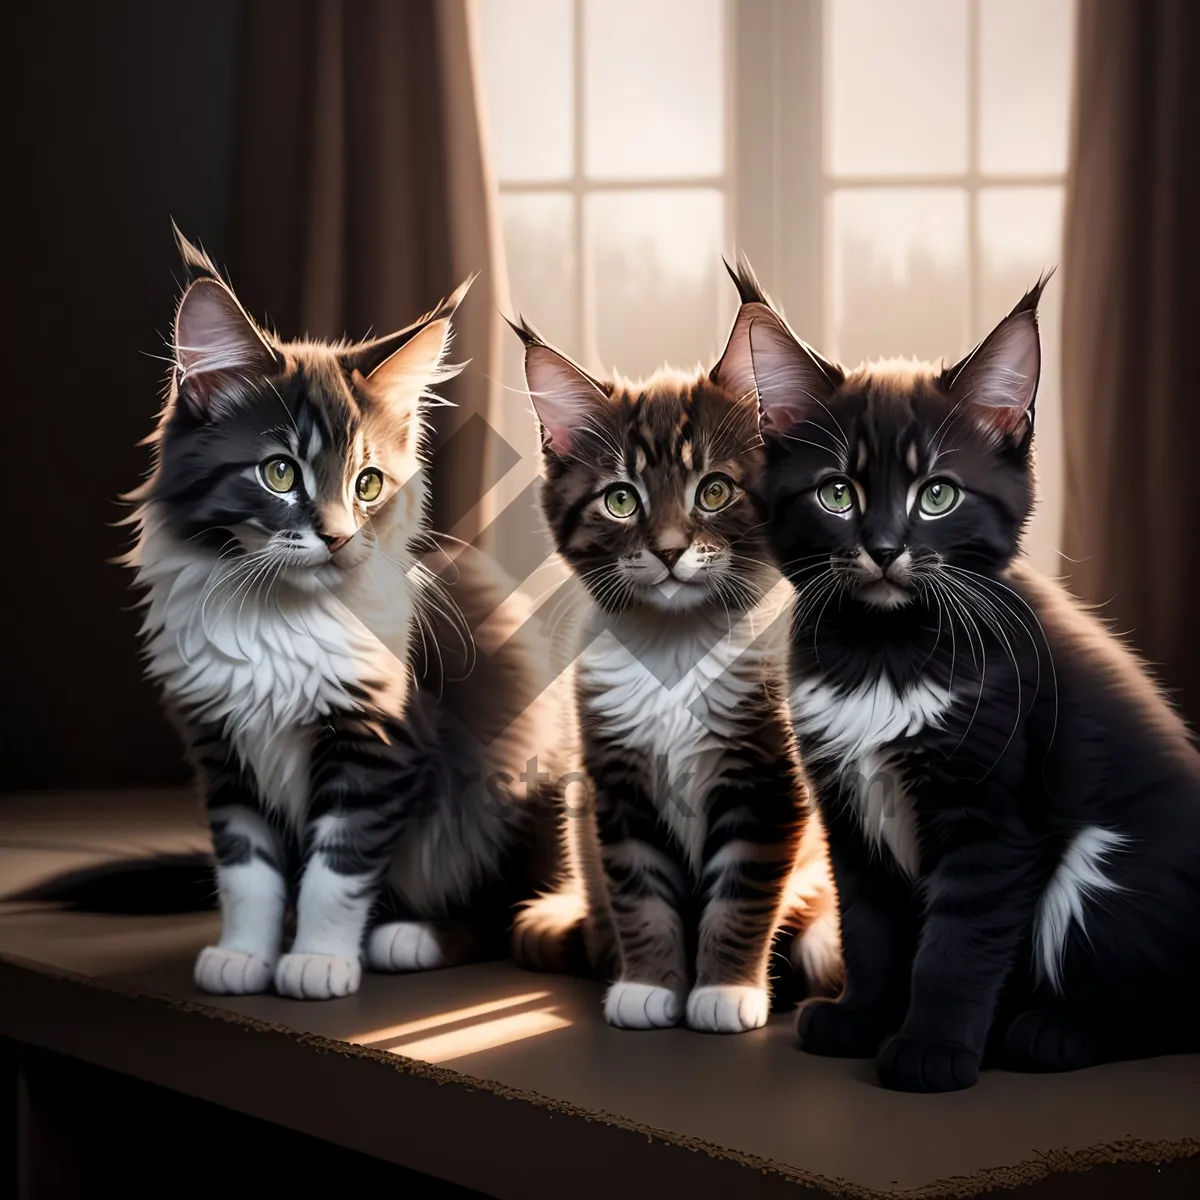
<point x="442" y="1047"/>
<point x="391" y="1033"/>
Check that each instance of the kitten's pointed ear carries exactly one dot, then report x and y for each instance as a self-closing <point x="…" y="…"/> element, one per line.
<point x="563" y="393"/>
<point x="735" y="368"/>
<point x="764" y="356"/>
<point x="367" y="356"/>
<point x="410" y="373"/>
<point x="219" y="350"/>
<point x="998" y="380"/>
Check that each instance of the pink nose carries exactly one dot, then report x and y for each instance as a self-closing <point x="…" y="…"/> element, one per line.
<point x="670" y="557"/>
<point x="335" y="541"/>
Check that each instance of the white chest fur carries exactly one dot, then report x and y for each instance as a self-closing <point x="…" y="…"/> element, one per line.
<point x="265" y="665"/>
<point x="855" y="730"/>
<point x="669" y="687"/>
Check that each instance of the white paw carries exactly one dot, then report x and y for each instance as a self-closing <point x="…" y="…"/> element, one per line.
<point x="405" y="946"/>
<point x="317" y="976"/>
<point x="543" y="929"/>
<point x="231" y="972"/>
<point x="727" y="1008"/>
<point x="641" y="1006"/>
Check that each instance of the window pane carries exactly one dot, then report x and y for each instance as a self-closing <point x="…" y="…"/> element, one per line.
<point x="657" y="280"/>
<point x="898" y="279"/>
<point x="527" y="57"/>
<point x="539" y="244"/>
<point x="896" y="86"/>
<point x="1020" y="235"/>
<point x="1020" y="232"/>
<point x="655" y="88"/>
<point x="1026" y="48"/>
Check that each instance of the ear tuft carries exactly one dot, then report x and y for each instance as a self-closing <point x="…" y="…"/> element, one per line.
<point x="196" y="262"/>
<point x="449" y="306"/>
<point x="750" y="291"/>
<point x="526" y="332"/>
<point x="218" y="348"/>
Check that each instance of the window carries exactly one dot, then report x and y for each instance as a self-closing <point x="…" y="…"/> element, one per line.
<point x="944" y="164"/>
<point x="609" y="137"/>
<point x="894" y="170"/>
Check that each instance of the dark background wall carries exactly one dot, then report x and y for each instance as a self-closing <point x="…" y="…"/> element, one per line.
<point x="118" y="116"/>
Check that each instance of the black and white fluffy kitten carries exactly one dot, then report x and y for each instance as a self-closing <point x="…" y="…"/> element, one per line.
<point x="354" y="753"/>
<point x="1013" y="809"/>
<point x="693" y="853"/>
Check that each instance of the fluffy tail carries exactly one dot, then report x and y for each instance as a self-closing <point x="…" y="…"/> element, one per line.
<point x="809" y="939"/>
<point x="154" y="885"/>
<point x="568" y="929"/>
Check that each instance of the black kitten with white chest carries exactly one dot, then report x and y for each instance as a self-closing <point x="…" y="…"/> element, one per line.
<point x="1013" y="809"/>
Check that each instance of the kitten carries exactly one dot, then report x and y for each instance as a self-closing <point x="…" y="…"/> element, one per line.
<point x="1013" y="809"/>
<point x="321" y="669"/>
<point x="698" y="807"/>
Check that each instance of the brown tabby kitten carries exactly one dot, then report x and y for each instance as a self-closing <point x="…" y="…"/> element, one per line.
<point x="698" y="812"/>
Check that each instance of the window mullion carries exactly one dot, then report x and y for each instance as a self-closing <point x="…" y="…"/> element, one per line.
<point x="974" y="250"/>
<point x="584" y="306"/>
<point x="780" y="166"/>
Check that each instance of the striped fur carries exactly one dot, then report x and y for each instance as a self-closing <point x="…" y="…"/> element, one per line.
<point x="698" y="806"/>
<point x="314" y="644"/>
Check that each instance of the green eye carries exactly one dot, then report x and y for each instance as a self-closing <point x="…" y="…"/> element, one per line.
<point x="279" y="474"/>
<point x="836" y="495"/>
<point x="939" y="497"/>
<point x="621" y="500"/>
<point x="368" y="485"/>
<point x="714" y="493"/>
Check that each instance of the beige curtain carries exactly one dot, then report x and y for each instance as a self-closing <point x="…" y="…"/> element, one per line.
<point x="363" y="196"/>
<point x="1131" y="412"/>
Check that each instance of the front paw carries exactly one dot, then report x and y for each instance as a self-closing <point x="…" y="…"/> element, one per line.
<point x="419" y="946"/>
<point x="224" y="972"/>
<point x="317" y="976"/>
<point x="917" y="1064"/>
<point x="832" y="1029"/>
<point x="404" y="946"/>
<point x="727" y="1008"/>
<point x="641" y="1006"/>
<point x="1047" y="1041"/>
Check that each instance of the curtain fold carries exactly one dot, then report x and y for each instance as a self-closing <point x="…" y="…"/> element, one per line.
<point x="1131" y="415"/>
<point x="362" y="196"/>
